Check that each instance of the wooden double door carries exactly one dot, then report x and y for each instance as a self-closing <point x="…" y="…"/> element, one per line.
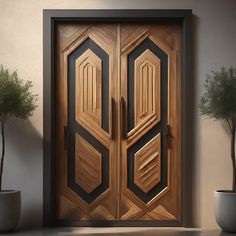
<point x="118" y="145"/>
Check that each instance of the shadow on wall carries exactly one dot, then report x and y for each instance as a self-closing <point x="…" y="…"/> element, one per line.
<point x="23" y="169"/>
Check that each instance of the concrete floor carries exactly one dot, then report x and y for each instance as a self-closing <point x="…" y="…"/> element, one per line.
<point x="121" y="231"/>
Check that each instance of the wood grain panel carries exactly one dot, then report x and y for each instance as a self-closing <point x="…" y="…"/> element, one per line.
<point x="70" y="211"/>
<point x="88" y="165"/>
<point x="165" y="205"/>
<point x="70" y="206"/>
<point x="100" y="212"/>
<point x="67" y="208"/>
<point x="160" y="213"/>
<point x="88" y="88"/>
<point x="119" y="201"/>
<point x="147" y="165"/>
<point x="146" y="87"/>
<point x="68" y="33"/>
<point x="129" y="210"/>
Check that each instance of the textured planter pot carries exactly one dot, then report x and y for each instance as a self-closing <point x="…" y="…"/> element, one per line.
<point x="10" y="207"/>
<point x="225" y="210"/>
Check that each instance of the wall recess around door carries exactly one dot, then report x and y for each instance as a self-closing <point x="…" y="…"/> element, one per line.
<point x="108" y="196"/>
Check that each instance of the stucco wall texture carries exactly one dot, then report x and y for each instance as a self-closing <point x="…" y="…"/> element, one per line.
<point x="21" y="48"/>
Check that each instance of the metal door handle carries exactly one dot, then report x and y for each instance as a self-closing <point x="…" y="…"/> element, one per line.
<point x="66" y="137"/>
<point x="112" y="118"/>
<point x="122" y="118"/>
<point x="168" y="136"/>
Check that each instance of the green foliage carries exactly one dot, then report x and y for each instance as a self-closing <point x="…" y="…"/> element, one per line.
<point x="16" y="99"/>
<point x="219" y="98"/>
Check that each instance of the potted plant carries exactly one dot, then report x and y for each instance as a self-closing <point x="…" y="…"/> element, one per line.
<point x="16" y="100"/>
<point x="219" y="102"/>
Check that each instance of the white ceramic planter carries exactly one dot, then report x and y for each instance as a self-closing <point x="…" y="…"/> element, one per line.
<point x="10" y="207"/>
<point x="225" y="210"/>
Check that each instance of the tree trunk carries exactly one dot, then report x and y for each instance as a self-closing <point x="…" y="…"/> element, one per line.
<point x="3" y="153"/>
<point x="233" y="155"/>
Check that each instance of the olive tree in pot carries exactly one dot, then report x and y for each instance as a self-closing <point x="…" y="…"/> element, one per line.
<point x="219" y="102"/>
<point x="16" y="100"/>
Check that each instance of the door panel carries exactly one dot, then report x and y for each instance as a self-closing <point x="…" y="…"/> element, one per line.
<point x="118" y="122"/>
<point x="87" y="78"/>
<point x="150" y="161"/>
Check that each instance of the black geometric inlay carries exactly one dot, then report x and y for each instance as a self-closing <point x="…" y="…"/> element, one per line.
<point x="90" y="44"/>
<point x="146" y="197"/>
<point x="74" y="127"/>
<point x="88" y="197"/>
<point x="159" y="128"/>
<point x="146" y="44"/>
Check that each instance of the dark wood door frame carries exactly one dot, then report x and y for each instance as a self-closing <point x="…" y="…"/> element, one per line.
<point x="50" y="19"/>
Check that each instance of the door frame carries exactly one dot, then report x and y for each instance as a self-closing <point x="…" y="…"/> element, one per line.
<point x="50" y="19"/>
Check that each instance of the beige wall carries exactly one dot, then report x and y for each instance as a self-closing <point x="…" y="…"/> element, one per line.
<point x="21" y="48"/>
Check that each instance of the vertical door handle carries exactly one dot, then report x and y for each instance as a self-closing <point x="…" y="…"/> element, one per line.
<point x="168" y="136"/>
<point x="122" y="118"/>
<point x="66" y="137"/>
<point x="112" y="123"/>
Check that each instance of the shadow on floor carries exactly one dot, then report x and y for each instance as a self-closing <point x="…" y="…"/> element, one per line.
<point x="119" y="232"/>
